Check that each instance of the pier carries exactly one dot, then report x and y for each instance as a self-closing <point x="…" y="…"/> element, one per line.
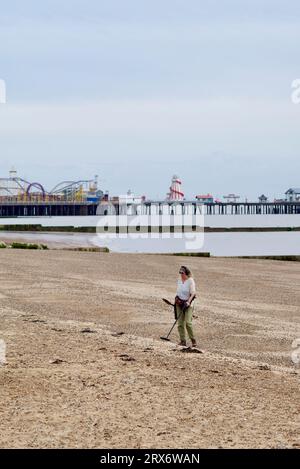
<point x="11" y="209"/>
<point x="197" y="208"/>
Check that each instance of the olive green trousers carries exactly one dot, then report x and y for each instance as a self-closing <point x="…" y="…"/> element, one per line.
<point x="185" y="323"/>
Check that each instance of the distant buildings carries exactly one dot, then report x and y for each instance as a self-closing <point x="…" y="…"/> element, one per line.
<point x="263" y="199"/>
<point x="231" y="198"/>
<point x="130" y="198"/>
<point x="293" y="195"/>
<point x="205" y="199"/>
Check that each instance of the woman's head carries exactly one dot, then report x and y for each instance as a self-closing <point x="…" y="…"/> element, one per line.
<point x="185" y="272"/>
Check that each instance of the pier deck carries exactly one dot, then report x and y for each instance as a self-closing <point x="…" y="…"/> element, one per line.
<point x="12" y="209"/>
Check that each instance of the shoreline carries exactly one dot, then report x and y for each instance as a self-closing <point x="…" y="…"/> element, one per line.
<point x="233" y="244"/>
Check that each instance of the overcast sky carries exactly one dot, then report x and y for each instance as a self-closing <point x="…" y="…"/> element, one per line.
<point x="139" y="90"/>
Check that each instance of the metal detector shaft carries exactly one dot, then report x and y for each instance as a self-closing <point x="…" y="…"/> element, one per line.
<point x="167" y="337"/>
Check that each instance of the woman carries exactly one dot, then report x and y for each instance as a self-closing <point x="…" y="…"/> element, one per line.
<point x="186" y="293"/>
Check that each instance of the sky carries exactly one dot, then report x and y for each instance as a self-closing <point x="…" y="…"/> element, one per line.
<point x="136" y="91"/>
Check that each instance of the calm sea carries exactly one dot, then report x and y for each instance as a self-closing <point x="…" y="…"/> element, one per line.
<point x="218" y="244"/>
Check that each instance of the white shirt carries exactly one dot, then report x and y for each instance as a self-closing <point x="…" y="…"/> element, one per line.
<point x="186" y="289"/>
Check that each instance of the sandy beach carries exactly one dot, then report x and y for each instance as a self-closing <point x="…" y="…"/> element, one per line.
<point x="86" y="368"/>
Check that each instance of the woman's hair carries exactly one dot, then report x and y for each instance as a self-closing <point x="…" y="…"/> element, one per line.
<point x="186" y="270"/>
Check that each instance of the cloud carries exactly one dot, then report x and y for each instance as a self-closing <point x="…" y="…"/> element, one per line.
<point x="227" y="121"/>
<point x="199" y="86"/>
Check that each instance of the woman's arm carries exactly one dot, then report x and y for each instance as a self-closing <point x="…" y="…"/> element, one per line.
<point x="192" y="291"/>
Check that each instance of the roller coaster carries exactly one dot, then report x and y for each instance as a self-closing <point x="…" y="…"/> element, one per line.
<point x="16" y="189"/>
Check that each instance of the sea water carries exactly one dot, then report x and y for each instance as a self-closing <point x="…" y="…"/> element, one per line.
<point x="218" y="244"/>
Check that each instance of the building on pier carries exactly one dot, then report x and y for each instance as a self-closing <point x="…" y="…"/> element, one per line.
<point x="205" y="199"/>
<point x="263" y="199"/>
<point x="293" y="195"/>
<point x="231" y="198"/>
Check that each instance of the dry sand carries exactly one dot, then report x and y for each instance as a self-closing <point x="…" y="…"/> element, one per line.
<point x="72" y="381"/>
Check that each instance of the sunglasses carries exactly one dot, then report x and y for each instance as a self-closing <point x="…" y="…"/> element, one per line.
<point x="181" y="272"/>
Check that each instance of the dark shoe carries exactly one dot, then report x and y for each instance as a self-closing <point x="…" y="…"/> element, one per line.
<point x="194" y="343"/>
<point x="182" y="343"/>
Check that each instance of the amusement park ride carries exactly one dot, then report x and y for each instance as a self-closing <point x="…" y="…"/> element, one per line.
<point x="175" y="190"/>
<point x="16" y="189"/>
<point x="20" y="200"/>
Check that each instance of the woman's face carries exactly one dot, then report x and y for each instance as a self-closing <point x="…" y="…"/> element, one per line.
<point x="183" y="275"/>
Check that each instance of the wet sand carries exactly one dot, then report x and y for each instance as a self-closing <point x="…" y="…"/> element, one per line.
<point x="86" y="368"/>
